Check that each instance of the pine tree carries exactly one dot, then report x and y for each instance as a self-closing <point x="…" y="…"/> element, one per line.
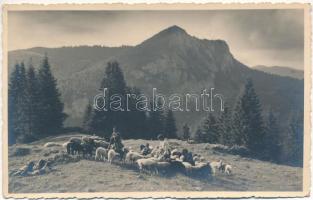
<point x="13" y="99"/>
<point x="224" y="128"/>
<point x="247" y="122"/>
<point x="51" y="108"/>
<point x="136" y="119"/>
<point x="210" y="129"/>
<point x="32" y="100"/>
<point x="104" y="121"/>
<point x="294" y="140"/>
<point x="21" y="125"/>
<point x="272" y="139"/>
<point x="155" y="122"/>
<point x="170" y="130"/>
<point x="186" y="132"/>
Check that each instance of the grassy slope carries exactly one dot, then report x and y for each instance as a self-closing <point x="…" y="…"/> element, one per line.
<point x="91" y="176"/>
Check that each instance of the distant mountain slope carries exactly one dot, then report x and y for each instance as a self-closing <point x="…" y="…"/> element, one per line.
<point x="281" y="71"/>
<point x="171" y="61"/>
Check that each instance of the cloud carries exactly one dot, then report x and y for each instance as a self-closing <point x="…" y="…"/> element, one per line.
<point x="272" y="37"/>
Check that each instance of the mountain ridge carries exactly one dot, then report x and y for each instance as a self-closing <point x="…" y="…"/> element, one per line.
<point x="173" y="63"/>
<point x="281" y="71"/>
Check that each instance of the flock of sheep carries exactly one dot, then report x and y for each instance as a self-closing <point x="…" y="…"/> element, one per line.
<point x="151" y="163"/>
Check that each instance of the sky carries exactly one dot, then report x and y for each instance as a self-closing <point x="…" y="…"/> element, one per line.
<point x="255" y="37"/>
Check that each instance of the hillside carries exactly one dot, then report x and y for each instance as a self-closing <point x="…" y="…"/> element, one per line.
<point x="281" y="71"/>
<point x="91" y="176"/>
<point x="171" y="61"/>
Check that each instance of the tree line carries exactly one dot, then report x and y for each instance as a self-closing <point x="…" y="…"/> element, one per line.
<point x="132" y="123"/>
<point x="245" y="125"/>
<point x="35" y="109"/>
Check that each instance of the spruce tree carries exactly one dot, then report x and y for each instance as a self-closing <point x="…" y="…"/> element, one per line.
<point x="210" y="129"/>
<point x="224" y="128"/>
<point x="295" y="140"/>
<point x="247" y="122"/>
<point x="272" y="139"/>
<point x="136" y="119"/>
<point x="13" y="99"/>
<point x="22" y="125"/>
<point x="104" y="121"/>
<point x="50" y="108"/>
<point x="186" y="132"/>
<point x="32" y="100"/>
<point x="155" y="122"/>
<point x="170" y="130"/>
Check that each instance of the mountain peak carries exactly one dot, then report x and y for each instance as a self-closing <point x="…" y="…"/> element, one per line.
<point x="168" y="33"/>
<point x="171" y="31"/>
<point x="174" y="29"/>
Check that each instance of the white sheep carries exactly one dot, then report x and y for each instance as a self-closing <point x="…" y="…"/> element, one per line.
<point x="147" y="164"/>
<point x="226" y="168"/>
<point x="152" y="165"/>
<point x="215" y="165"/>
<point x="133" y="156"/>
<point x="101" y="154"/>
<point x="101" y="143"/>
<point x="87" y="139"/>
<point x="112" y="155"/>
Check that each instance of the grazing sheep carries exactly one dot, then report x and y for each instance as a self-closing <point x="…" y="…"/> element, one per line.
<point x="101" y="154"/>
<point x="112" y="155"/>
<point x="75" y="140"/>
<point x="52" y="144"/>
<point x="215" y="166"/>
<point x="226" y="168"/>
<point x="74" y="148"/>
<point x="94" y="137"/>
<point x="146" y="164"/>
<point x="202" y="169"/>
<point x="133" y="156"/>
<point x="153" y="165"/>
<point x="87" y="149"/>
<point x="101" y="143"/>
<point x="87" y="140"/>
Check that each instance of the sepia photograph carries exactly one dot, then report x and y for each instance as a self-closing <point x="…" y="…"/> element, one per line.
<point x="156" y="100"/>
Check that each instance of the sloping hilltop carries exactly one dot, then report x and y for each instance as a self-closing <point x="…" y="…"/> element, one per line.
<point x="80" y="175"/>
